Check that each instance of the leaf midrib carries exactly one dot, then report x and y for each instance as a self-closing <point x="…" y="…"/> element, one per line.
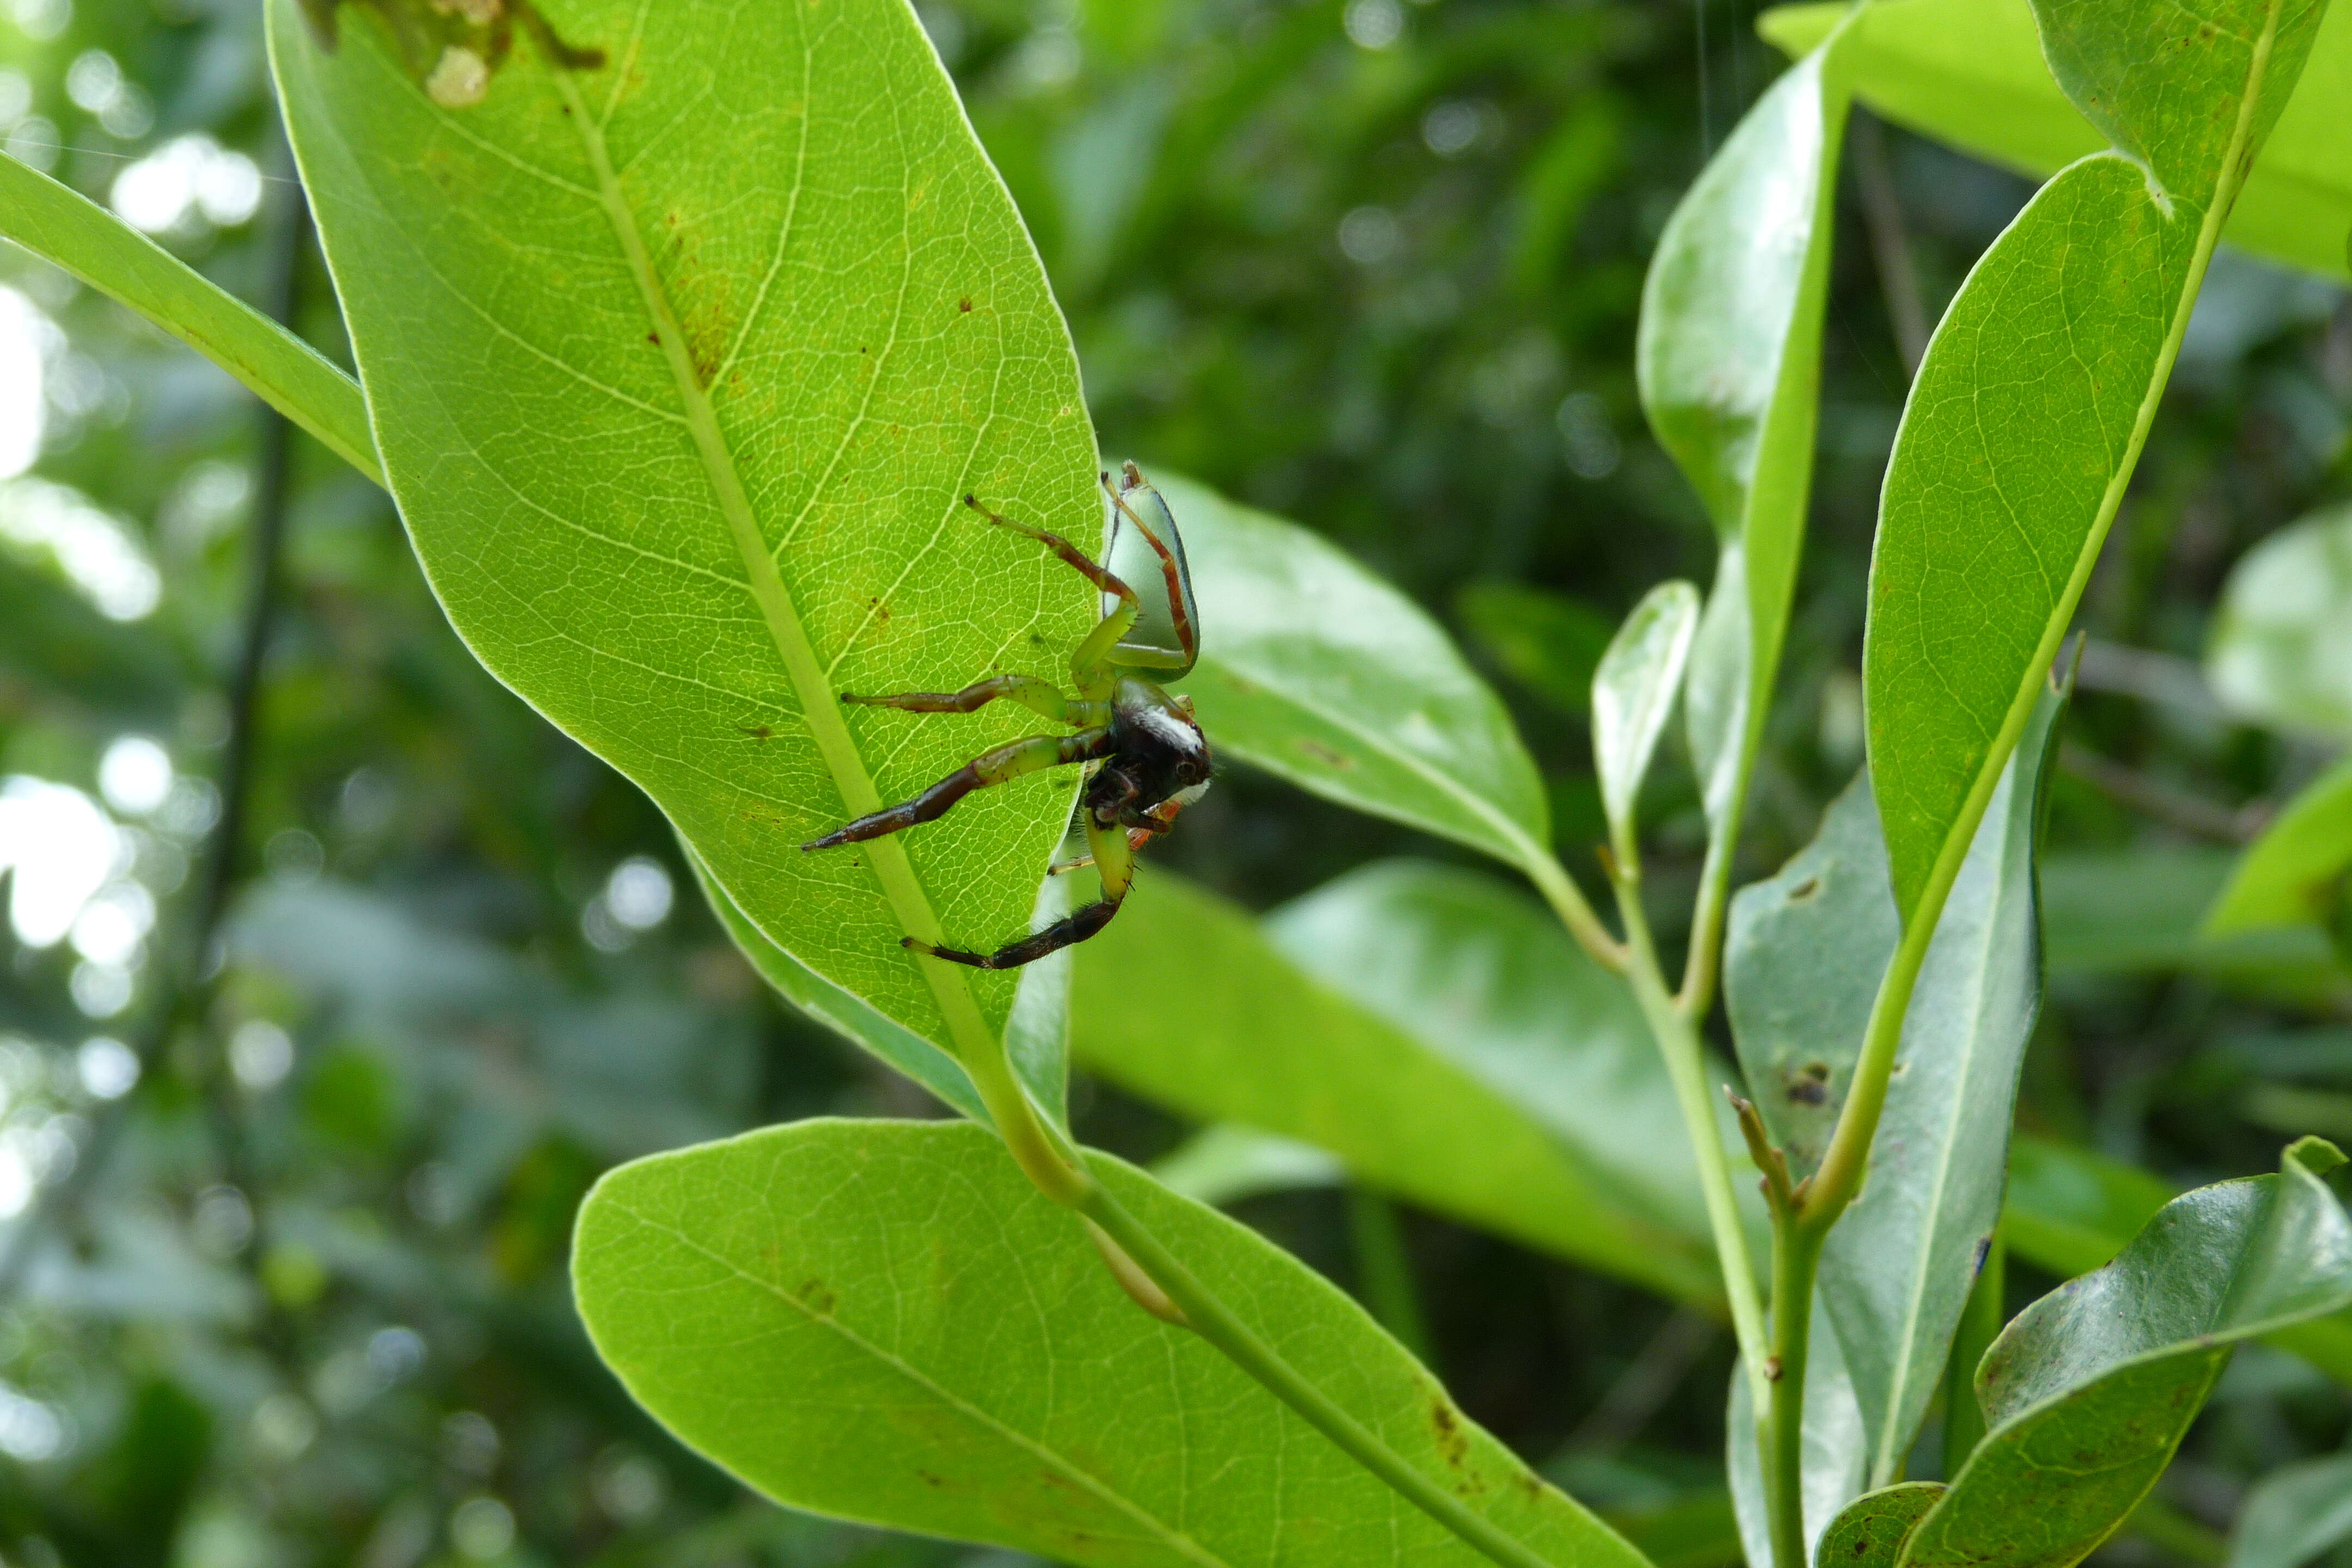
<point x="908" y="900"/>
<point x="1177" y="1540"/>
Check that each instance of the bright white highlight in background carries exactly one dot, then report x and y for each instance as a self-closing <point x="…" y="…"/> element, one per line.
<point x="59" y="849"/>
<point x="113" y="924"/>
<point x="135" y="775"/>
<point x="101" y="556"/>
<point x="639" y="893"/>
<point x="23" y="335"/>
<point x="108" y="1067"/>
<point x="188" y="174"/>
<point x="260" y="1053"/>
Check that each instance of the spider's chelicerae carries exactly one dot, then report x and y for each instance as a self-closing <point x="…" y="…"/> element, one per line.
<point x="1154" y="760"/>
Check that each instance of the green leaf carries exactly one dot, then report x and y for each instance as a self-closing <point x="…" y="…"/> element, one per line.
<point x="1633" y="692"/>
<point x="1802" y="961"/>
<point x="2141" y="912"/>
<point x="1323" y="675"/>
<point x="1897" y="1269"/>
<point x="1801" y="958"/>
<point x="64" y="227"/>
<point x="1836" y="1447"/>
<point x="1430" y="1027"/>
<point x="2070" y="1211"/>
<point x="1224" y="1163"/>
<point x="2280" y="651"/>
<point x="683" y="451"/>
<point x="1729" y="357"/>
<point x="2089" y="1390"/>
<point x="1548" y="642"/>
<point x="2294" y="874"/>
<point x="885" y="1321"/>
<point x="1971" y="73"/>
<point x="2293" y="1514"/>
<point x="2029" y="411"/>
<point x="1036" y="1034"/>
<point x="1872" y="1531"/>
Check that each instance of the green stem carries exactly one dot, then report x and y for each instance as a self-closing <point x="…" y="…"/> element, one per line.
<point x="1568" y="902"/>
<point x="1216" y="1322"/>
<point x="1687" y="1065"/>
<point x="1796" y="1259"/>
<point x="1704" y="961"/>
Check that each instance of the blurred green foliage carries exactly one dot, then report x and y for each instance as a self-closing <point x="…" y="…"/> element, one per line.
<point x="1371" y="265"/>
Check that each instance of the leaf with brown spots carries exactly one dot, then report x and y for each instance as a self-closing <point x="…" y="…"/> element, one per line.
<point x="977" y="1373"/>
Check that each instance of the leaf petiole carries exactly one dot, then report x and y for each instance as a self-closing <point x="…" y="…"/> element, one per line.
<point x="1679" y="1043"/>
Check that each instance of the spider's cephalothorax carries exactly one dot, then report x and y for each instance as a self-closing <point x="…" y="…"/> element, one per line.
<point x="1154" y="760"/>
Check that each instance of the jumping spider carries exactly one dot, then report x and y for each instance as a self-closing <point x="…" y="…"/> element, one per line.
<point x="1154" y="760"/>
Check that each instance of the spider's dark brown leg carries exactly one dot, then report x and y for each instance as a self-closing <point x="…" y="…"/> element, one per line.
<point x="1112" y="857"/>
<point x="1010" y="761"/>
<point x="1031" y="692"/>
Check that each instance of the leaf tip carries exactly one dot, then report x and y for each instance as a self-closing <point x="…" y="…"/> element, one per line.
<point x="2315" y="1155"/>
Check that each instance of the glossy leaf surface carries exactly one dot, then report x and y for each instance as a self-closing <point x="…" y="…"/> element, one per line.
<point x="61" y="225"/>
<point x="1321" y="673"/>
<point x="2027" y="415"/>
<point x="884" y="1321"/>
<point x="682" y="452"/>
<point x="2280" y="651"/>
<point x="1728" y="358"/>
<point x="2294" y="874"/>
<point x="1481" y="1067"/>
<point x="2070" y="1211"/>
<point x="2293" y="1514"/>
<point x="1971" y="73"/>
<point x="2088" y="1391"/>
<point x="1633" y="692"/>
<point x="1803" y="963"/>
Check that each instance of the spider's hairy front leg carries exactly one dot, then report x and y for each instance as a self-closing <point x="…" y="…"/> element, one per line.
<point x="1010" y="761"/>
<point x="1112" y="857"/>
<point x="1089" y="661"/>
<point x="1040" y="695"/>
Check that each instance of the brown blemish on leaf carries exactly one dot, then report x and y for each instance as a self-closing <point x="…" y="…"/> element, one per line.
<point x="1452" y="1447"/>
<point x="757" y="731"/>
<point x="1804" y="889"/>
<point x="964" y="305"/>
<point x="1326" y="756"/>
<point x="817" y="1297"/>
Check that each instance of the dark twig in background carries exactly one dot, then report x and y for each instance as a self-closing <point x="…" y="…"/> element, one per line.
<point x="2160" y="801"/>
<point x="1890" y="239"/>
<point x="186" y="976"/>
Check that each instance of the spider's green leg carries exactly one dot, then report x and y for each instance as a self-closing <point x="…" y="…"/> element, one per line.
<point x="1113" y="857"/>
<point x="1042" y="696"/>
<point x="1010" y="761"/>
<point x="1089" y="663"/>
